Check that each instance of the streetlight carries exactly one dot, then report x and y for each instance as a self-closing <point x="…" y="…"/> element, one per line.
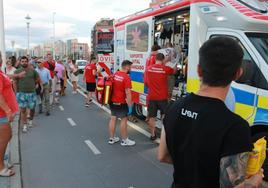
<point x="28" y="18"/>
<point x="54" y="55"/>
<point x="13" y="47"/>
<point x="2" y="34"/>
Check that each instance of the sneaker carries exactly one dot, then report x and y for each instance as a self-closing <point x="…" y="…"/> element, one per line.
<point x="25" y="129"/>
<point x="30" y="123"/>
<point x="114" y="140"/>
<point x="47" y="114"/>
<point x="87" y="105"/>
<point x="128" y="142"/>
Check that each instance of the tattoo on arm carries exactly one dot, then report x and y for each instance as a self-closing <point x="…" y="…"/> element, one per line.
<point x="233" y="170"/>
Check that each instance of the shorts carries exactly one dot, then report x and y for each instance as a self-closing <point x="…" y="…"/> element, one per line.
<point x="74" y="78"/>
<point x="119" y="110"/>
<point x="155" y="105"/>
<point x="91" y="86"/>
<point x="3" y="120"/>
<point x="26" y="100"/>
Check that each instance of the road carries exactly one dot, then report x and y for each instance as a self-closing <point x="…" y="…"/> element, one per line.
<point x="69" y="149"/>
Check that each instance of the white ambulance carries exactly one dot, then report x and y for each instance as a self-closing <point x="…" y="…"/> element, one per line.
<point x="187" y="24"/>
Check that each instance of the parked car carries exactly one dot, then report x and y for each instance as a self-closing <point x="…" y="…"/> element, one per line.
<point x="81" y="64"/>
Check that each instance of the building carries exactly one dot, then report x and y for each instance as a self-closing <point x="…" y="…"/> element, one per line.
<point x="60" y="49"/>
<point x="38" y="51"/>
<point x="21" y="52"/>
<point x="76" y="50"/>
<point x="47" y="48"/>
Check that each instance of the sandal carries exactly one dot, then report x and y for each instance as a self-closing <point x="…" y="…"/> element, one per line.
<point x="6" y="172"/>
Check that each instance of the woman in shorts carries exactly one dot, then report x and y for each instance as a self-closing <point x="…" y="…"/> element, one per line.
<point x="74" y="75"/>
<point x="8" y="108"/>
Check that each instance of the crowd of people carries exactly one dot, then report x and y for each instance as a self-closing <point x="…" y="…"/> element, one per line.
<point x="199" y="136"/>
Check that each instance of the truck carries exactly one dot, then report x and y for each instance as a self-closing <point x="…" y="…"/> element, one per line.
<point x="187" y="24"/>
<point x="102" y="36"/>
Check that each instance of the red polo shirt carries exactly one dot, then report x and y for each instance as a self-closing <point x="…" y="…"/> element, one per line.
<point x="51" y="67"/>
<point x="157" y="81"/>
<point x="7" y="91"/>
<point x="121" y="82"/>
<point x="90" y="77"/>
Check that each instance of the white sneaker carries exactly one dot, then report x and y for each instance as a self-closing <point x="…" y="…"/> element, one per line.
<point x="25" y="129"/>
<point x="128" y="142"/>
<point x="30" y="123"/>
<point x="114" y="140"/>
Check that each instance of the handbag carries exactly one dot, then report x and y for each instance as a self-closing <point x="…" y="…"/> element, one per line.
<point x="76" y="73"/>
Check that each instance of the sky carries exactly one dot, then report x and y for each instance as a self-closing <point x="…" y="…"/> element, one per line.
<point x="73" y="19"/>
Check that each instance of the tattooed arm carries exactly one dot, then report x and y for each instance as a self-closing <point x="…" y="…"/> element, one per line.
<point x="233" y="173"/>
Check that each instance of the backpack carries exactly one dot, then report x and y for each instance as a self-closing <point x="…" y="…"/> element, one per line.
<point x="104" y="90"/>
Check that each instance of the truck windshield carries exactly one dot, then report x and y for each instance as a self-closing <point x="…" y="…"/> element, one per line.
<point x="260" y="41"/>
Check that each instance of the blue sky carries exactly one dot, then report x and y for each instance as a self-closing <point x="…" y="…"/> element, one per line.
<point x="74" y="19"/>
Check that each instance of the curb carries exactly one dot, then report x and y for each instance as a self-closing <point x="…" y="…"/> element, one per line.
<point x="15" y="158"/>
<point x="13" y="153"/>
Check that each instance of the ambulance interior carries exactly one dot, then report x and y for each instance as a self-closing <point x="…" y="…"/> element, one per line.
<point x="173" y="29"/>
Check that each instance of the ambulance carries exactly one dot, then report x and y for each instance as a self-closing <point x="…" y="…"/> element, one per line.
<point x="187" y="24"/>
<point x="102" y="36"/>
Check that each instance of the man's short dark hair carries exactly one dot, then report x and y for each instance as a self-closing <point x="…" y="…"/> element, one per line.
<point x="93" y="58"/>
<point x="126" y="63"/>
<point x="220" y="58"/>
<point x="155" y="47"/>
<point x="24" y="57"/>
<point x="160" y="57"/>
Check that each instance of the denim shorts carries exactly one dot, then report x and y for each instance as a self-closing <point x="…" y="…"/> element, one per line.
<point x="3" y="120"/>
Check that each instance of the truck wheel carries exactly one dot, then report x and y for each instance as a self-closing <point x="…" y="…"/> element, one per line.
<point x="138" y="112"/>
<point x="265" y="164"/>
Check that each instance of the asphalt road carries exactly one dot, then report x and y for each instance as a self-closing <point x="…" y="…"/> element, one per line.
<point x="69" y="149"/>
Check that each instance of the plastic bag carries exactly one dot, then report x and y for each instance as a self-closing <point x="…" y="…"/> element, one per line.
<point x="257" y="157"/>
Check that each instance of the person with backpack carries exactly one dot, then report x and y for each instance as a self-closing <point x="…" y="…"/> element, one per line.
<point x="90" y="79"/>
<point x="207" y="144"/>
<point x="121" y="104"/>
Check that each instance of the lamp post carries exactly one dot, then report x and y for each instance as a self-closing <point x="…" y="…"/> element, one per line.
<point x="28" y="18"/>
<point x="54" y="54"/>
<point x="13" y="47"/>
<point x="2" y="34"/>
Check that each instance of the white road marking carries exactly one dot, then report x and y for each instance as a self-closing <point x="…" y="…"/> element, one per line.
<point x="132" y="125"/>
<point x="92" y="147"/>
<point x="61" y="108"/>
<point x="71" y="121"/>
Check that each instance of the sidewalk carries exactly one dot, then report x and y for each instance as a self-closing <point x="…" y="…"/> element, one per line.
<point x="13" y="154"/>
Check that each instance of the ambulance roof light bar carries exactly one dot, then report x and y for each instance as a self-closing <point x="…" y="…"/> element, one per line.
<point x="135" y="14"/>
<point x="144" y="11"/>
<point x="169" y="3"/>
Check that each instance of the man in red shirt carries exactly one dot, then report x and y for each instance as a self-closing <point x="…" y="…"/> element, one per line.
<point x="50" y="65"/>
<point x="90" y="79"/>
<point x="151" y="60"/>
<point x="121" y="104"/>
<point x="157" y="83"/>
